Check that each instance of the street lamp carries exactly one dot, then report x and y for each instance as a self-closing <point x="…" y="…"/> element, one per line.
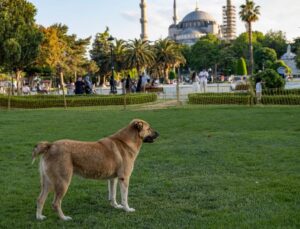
<point x="112" y="78"/>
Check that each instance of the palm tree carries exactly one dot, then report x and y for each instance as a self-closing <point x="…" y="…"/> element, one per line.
<point x="120" y="49"/>
<point x="249" y="13"/>
<point x="139" y="54"/>
<point x="168" y="54"/>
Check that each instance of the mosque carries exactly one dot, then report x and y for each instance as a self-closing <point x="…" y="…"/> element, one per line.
<point x="196" y="24"/>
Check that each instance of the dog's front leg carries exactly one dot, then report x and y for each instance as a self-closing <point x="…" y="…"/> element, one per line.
<point x="124" y="184"/>
<point x="112" y="189"/>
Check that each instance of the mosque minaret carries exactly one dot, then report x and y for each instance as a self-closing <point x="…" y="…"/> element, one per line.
<point x="143" y="6"/>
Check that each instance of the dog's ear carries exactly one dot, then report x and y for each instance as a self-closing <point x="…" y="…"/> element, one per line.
<point x="138" y="125"/>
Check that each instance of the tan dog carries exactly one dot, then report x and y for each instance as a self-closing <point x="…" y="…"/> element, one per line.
<point x="110" y="158"/>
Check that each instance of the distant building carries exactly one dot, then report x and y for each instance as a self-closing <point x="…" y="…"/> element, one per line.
<point x="289" y="60"/>
<point x="229" y="22"/>
<point x="194" y="25"/>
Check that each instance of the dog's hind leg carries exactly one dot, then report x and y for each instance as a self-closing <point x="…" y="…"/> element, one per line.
<point x="112" y="188"/>
<point x="45" y="186"/>
<point x="60" y="189"/>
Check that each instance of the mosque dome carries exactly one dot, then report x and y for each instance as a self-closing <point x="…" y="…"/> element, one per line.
<point x="198" y="15"/>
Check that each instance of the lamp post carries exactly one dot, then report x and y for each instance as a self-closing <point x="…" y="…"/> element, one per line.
<point x="112" y="78"/>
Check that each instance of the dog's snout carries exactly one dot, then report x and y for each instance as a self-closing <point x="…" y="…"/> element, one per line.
<point x="156" y="134"/>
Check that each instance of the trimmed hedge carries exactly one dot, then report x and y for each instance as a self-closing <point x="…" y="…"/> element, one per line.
<point x="242" y="87"/>
<point x="48" y="101"/>
<point x="220" y="98"/>
<point x="292" y="97"/>
<point x="281" y="99"/>
<point x="281" y="92"/>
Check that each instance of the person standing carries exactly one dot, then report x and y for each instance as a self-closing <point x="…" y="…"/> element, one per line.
<point x="203" y="80"/>
<point x="258" y="89"/>
<point x="139" y="84"/>
<point x="195" y="81"/>
<point x="144" y="82"/>
<point x="128" y="84"/>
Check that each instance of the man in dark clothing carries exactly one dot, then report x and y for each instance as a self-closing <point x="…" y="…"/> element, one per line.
<point x="79" y="86"/>
<point x="128" y="84"/>
<point x="139" y="84"/>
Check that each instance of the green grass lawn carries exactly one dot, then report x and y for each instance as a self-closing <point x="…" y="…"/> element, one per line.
<point x="212" y="167"/>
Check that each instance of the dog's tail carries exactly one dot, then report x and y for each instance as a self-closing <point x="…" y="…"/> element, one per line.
<point x="40" y="148"/>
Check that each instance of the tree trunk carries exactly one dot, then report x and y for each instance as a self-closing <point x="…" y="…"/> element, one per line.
<point x="63" y="89"/>
<point x="18" y="77"/>
<point x="166" y="78"/>
<point x="251" y="67"/>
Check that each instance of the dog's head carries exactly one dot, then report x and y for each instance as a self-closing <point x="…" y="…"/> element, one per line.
<point x="144" y="130"/>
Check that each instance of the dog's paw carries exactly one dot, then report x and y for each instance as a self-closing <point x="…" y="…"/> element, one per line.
<point x="116" y="205"/>
<point x="129" y="209"/>
<point x="40" y="217"/>
<point x="66" y="218"/>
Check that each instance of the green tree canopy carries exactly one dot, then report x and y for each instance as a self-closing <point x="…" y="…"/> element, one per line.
<point x="264" y="58"/>
<point x="276" y="40"/>
<point x="19" y="36"/>
<point x="204" y="53"/>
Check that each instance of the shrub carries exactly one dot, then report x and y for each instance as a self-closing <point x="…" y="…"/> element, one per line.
<point x="172" y="75"/>
<point x="281" y="100"/>
<point x="242" y="87"/>
<point x="220" y="98"/>
<point x="45" y="101"/>
<point x="270" y="78"/>
<point x="241" y="67"/>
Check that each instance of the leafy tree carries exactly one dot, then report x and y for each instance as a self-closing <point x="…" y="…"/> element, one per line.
<point x="270" y="78"/>
<point x="227" y="59"/>
<point x="19" y="36"/>
<point x="276" y="40"/>
<point x="62" y="53"/>
<point x="296" y="45"/>
<point x="139" y="54"/>
<point x="241" y="67"/>
<point x="168" y="55"/>
<point x="240" y="45"/>
<point x="101" y="53"/>
<point x="249" y="13"/>
<point x="265" y="57"/>
<point x="204" y="53"/>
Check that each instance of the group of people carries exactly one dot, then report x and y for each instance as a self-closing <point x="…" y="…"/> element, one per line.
<point x="83" y="86"/>
<point x="129" y="85"/>
<point x="200" y="81"/>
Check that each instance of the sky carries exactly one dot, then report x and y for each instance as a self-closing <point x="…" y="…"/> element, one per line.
<point x="88" y="17"/>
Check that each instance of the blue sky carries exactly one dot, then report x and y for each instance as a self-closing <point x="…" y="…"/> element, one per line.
<point x="87" y="17"/>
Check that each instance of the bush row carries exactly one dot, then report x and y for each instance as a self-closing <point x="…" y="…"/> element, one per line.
<point x="243" y="99"/>
<point x="281" y="92"/>
<point x="281" y="99"/>
<point x="220" y="98"/>
<point x="75" y="101"/>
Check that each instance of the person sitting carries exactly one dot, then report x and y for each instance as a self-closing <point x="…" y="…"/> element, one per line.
<point x="79" y="86"/>
<point x="26" y="89"/>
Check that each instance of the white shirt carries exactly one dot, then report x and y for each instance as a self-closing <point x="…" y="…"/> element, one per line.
<point x="258" y="87"/>
<point x="203" y="74"/>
